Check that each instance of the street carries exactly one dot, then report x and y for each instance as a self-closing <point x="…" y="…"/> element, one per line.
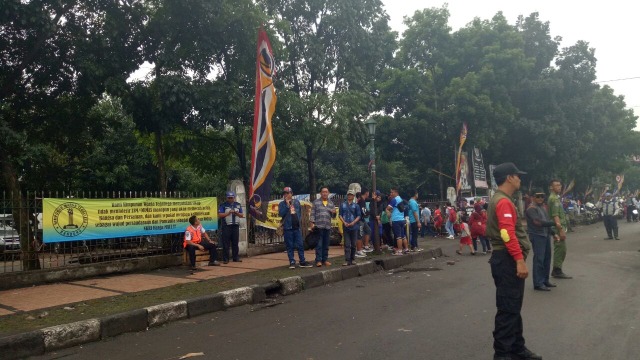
<point x="419" y="312"/>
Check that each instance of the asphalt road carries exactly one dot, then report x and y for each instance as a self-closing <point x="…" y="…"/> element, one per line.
<point x="419" y="313"/>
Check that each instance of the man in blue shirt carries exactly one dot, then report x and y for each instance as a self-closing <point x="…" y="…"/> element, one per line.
<point x="414" y="222"/>
<point x="230" y="212"/>
<point x="395" y="210"/>
<point x="290" y="211"/>
<point x="350" y="216"/>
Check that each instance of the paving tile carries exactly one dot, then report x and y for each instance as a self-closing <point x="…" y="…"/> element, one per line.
<point x="4" y="312"/>
<point x="132" y="282"/>
<point x="43" y="296"/>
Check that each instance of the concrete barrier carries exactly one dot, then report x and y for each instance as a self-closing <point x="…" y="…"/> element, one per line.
<point x="237" y="297"/>
<point x="205" y="304"/>
<point x="350" y="272"/>
<point x="291" y="285"/>
<point x="22" y="345"/>
<point x="130" y="321"/>
<point x="388" y="263"/>
<point x="259" y="293"/>
<point x="330" y="276"/>
<point x="312" y="280"/>
<point x="164" y="313"/>
<point x="68" y="335"/>
<point x="367" y="268"/>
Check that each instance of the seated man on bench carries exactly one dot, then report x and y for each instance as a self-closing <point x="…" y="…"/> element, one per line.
<point x="193" y="240"/>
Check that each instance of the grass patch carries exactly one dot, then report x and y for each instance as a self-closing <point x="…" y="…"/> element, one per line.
<point x="96" y="308"/>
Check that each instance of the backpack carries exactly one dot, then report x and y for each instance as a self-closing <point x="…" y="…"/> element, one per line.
<point x="402" y="206"/>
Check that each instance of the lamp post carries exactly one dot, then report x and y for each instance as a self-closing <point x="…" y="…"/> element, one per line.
<point x="371" y="128"/>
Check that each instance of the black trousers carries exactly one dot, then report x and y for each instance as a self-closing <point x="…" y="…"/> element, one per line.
<point x="630" y="215"/>
<point x="191" y="250"/>
<point x="507" y="336"/>
<point x="611" y="225"/>
<point x="230" y="237"/>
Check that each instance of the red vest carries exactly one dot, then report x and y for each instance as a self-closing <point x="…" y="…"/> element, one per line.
<point x="196" y="235"/>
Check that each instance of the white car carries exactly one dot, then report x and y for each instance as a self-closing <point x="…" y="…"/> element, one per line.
<point x="9" y="237"/>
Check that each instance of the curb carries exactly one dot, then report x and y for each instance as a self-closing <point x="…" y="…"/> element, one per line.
<point x="63" y="336"/>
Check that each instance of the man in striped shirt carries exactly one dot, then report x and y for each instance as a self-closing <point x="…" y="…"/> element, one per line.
<point x="322" y="211"/>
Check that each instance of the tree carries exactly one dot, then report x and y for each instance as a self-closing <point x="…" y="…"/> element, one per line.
<point x="332" y="53"/>
<point x="58" y="59"/>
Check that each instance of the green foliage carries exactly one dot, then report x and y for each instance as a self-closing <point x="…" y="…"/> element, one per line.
<point x="69" y="119"/>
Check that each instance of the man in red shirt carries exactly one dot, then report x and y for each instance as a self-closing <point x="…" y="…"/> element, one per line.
<point x="508" y="267"/>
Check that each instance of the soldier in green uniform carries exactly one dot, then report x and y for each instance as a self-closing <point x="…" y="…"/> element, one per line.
<point x="556" y="213"/>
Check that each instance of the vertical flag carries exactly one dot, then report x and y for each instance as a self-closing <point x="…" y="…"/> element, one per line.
<point x="620" y="181"/>
<point x="263" y="154"/>
<point x="463" y="138"/>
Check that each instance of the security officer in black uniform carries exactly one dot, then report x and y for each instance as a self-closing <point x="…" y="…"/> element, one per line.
<point x="508" y="267"/>
<point x="230" y="212"/>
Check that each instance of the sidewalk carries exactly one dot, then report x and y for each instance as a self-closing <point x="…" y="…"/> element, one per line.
<point x="39" y="297"/>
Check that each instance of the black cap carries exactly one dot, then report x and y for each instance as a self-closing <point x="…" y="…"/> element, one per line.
<point x="505" y="169"/>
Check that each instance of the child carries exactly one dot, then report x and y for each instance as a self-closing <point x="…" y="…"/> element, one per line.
<point x="437" y="221"/>
<point x="465" y="235"/>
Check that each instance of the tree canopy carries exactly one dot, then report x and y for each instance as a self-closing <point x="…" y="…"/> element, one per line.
<point x="73" y="117"/>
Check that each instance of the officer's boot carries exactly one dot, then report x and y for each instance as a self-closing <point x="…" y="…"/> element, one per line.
<point x="559" y="274"/>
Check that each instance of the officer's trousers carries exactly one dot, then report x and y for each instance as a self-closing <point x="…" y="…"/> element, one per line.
<point x="507" y="336"/>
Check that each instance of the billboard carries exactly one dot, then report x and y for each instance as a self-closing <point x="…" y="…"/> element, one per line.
<point x="91" y="219"/>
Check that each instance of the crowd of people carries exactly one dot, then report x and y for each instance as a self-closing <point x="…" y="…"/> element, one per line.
<point x="498" y="224"/>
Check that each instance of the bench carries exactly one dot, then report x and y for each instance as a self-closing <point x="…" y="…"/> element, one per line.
<point x="202" y="257"/>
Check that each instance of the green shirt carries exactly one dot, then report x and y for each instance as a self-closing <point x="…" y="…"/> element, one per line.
<point x="556" y="209"/>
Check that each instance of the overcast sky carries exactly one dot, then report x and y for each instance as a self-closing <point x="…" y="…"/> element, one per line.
<point x="611" y="27"/>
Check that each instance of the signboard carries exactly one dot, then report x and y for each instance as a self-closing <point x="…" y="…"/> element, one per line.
<point x="90" y="219"/>
<point x="479" y="172"/>
<point x="273" y="218"/>
<point x="494" y="185"/>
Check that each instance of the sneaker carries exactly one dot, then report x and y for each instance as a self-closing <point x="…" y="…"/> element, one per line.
<point x="214" y="263"/>
<point x="458" y="252"/>
<point x="412" y="250"/>
<point x="345" y="264"/>
<point x="419" y="249"/>
<point x="292" y="266"/>
<point x="360" y="254"/>
<point x="397" y="253"/>
<point x="405" y="251"/>
<point x="353" y="262"/>
<point x="367" y="249"/>
<point x="450" y="237"/>
<point x="305" y="265"/>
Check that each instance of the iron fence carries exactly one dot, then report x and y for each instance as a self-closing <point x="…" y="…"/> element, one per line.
<point x="21" y="239"/>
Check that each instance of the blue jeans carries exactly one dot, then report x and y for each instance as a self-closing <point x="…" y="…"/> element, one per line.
<point x="484" y="241"/>
<point x="541" y="259"/>
<point x="413" y="237"/>
<point x="350" y="238"/>
<point x="293" y="240"/>
<point x="449" y="227"/>
<point x="322" y="248"/>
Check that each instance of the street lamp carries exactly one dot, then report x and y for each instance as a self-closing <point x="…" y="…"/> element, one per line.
<point x="371" y="128"/>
